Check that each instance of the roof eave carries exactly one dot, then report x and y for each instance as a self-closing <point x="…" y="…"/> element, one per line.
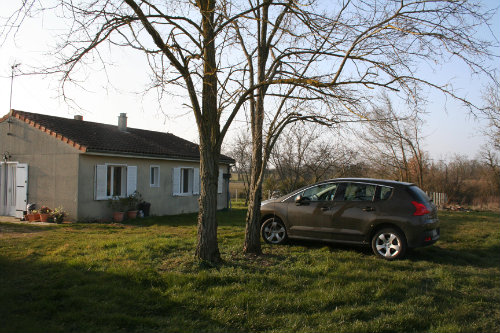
<point x="101" y="152"/>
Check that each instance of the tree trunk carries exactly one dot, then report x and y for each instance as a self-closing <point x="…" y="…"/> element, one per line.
<point x="207" y="247"/>
<point x="252" y="229"/>
<point x="210" y="145"/>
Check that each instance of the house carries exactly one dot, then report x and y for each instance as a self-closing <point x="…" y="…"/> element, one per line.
<point x="79" y="165"/>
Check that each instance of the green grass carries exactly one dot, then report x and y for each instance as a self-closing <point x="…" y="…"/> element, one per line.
<point x="142" y="277"/>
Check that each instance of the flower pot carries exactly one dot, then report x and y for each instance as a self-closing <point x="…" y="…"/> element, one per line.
<point x="118" y="216"/>
<point x="132" y="214"/>
<point x="31" y="217"/>
<point x="44" y="217"/>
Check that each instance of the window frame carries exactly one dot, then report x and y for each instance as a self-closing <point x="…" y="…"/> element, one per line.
<point x="152" y="174"/>
<point x="110" y="171"/>
<point x="186" y="181"/>
<point x="178" y="181"/>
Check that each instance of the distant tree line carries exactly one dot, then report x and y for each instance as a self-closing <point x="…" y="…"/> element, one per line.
<point x="388" y="147"/>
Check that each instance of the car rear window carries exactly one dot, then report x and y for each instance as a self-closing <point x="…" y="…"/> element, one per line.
<point x="419" y="195"/>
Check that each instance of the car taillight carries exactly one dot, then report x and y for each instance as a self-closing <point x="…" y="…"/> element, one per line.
<point x="420" y="209"/>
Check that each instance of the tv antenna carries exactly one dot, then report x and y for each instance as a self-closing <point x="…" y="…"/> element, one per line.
<point x="13" y="68"/>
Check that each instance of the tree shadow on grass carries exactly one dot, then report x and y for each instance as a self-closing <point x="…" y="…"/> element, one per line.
<point x="333" y="247"/>
<point x="475" y="257"/>
<point x="233" y="217"/>
<point x="488" y="257"/>
<point x="22" y="228"/>
<point x="56" y="297"/>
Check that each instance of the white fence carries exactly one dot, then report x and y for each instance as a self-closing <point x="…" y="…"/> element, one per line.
<point x="439" y="199"/>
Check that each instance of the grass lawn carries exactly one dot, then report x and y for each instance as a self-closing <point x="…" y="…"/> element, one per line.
<point x="141" y="277"/>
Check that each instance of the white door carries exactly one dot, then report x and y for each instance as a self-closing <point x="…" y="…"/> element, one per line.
<point x="13" y="188"/>
<point x="21" y="188"/>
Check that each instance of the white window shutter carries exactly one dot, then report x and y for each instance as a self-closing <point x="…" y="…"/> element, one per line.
<point x="176" y="181"/>
<point x="221" y="181"/>
<point x="101" y="181"/>
<point x="131" y="179"/>
<point x="196" y="181"/>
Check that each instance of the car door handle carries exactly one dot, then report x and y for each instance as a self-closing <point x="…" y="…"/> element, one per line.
<point x="325" y="208"/>
<point x="368" y="209"/>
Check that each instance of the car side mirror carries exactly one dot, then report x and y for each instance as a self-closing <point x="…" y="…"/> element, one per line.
<point x="300" y="200"/>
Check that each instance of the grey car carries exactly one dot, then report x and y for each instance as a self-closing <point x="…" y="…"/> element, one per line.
<point x="389" y="216"/>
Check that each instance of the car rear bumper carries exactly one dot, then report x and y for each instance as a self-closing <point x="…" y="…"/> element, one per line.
<point x="426" y="234"/>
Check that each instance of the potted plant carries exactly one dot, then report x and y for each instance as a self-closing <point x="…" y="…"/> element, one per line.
<point x="33" y="216"/>
<point x="58" y="215"/>
<point x="44" y="213"/>
<point x="132" y="202"/>
<point x="118" y="206"/>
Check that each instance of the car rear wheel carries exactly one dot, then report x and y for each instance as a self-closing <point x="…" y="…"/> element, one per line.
<point x="273" y="231"/>
<point x="389" y="244"/>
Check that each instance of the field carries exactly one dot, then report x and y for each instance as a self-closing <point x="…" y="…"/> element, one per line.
<point x="141" y="277"/>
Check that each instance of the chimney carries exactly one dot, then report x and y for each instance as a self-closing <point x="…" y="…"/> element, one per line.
<point x="122" y="122"/>
<point x="78" y="117"/>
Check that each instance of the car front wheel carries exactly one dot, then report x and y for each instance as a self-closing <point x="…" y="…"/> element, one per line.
<point x="389" y="244"/>
<point x="273" y="231"/>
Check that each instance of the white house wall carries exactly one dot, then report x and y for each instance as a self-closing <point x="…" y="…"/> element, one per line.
<point x="162" y="200"/>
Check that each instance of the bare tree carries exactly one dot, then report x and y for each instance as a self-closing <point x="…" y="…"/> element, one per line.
<point x="490" y="152"/>
<point x="274" y="55"/>
<point x="492" y="113"/>
<point x="392" y="142"/>
<point x="185" y="43"/>
<point x="341" y="54"/>
<point x="307" y="153"/>
<point x="242" y="154"/>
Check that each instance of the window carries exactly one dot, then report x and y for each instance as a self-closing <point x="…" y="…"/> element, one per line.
<point x="185" y="181"/>
<point x="385" y="193"/>
<point x="154" y="178"/>
<point x="322" y="192"/>
<point x="114" y="180"/>
<point x="359" y="192"/>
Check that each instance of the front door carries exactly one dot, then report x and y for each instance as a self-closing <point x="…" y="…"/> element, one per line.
<point x="311" y="214"/>
<point x="13" y="188"/>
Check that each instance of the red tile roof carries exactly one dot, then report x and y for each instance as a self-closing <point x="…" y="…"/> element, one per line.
<point x="102" y="138"/>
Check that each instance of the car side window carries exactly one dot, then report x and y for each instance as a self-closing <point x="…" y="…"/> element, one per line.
<point x="322" y="192"/>
<point x="339" y="194"/>
<point x="384" y="193"/>
<point x="360" y="192"/>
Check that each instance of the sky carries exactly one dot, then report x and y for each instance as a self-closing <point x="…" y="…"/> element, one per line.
<point x="449" y="130"/>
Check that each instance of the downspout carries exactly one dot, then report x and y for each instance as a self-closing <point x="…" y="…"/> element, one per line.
<point x="228" y="194"/>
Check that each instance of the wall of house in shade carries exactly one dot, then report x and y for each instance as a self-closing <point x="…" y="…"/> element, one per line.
<point x="52" y="164"/>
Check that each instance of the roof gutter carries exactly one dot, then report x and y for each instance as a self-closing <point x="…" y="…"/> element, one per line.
<point x="95" y="152"/>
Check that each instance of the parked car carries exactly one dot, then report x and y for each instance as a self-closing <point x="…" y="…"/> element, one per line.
<point x="389" y="216"/>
